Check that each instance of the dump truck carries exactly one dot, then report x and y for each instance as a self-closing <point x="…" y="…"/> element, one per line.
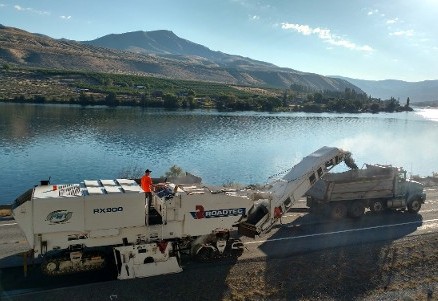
<point x="376" y="187"/>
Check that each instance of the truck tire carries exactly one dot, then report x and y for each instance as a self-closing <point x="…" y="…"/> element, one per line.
<point x="205" y="254"/>
<point x="50" y="266"/>
<point x="377" y="206"/>
<point x="338" y="210"/>
<point x="414" y="206"/>
<point x="356" y="209"/>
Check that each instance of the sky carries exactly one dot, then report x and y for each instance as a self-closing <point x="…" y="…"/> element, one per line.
<point x="361" y="39"/>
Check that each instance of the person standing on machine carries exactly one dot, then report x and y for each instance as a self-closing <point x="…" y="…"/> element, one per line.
<point x="147" y="186"/>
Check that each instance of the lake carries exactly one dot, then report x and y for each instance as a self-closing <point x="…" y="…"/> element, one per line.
<point x="71" y="143"/>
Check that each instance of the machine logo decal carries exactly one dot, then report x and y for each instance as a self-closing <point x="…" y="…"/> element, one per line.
<point x="202" y="213"/>
<point x="59" y="216"/>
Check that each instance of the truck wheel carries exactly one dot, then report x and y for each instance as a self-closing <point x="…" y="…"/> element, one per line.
<point x="50" y="266"/>
<point x="377" y="206"/>
<point x="356" y="209"/>
<point x="414" y="206"/>
<point x="205" y="254"/>
<point x="235" y="253"/>
<point x="338" y="211"/>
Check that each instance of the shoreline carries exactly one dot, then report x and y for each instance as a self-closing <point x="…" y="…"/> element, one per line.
<point x="291" y="109"/>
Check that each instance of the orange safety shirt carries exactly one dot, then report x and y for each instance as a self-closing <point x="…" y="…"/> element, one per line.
<point x="146" y="183"/>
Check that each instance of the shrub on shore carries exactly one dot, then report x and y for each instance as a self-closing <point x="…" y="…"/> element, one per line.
<point x="5" y="212"/>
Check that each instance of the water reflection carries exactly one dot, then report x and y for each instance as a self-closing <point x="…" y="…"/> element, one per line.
<point x="71" y="143"/>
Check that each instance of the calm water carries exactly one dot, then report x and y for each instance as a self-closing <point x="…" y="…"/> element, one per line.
<point x="72" y="143"/>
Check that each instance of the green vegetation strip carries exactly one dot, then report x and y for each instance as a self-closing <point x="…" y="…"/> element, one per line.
<point x="94" y="88"/>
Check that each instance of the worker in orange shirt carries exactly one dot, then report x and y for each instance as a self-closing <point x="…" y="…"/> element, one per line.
<point x="147" y="186"/>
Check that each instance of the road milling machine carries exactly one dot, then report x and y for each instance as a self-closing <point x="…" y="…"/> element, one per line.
<point x="95" y="223"/>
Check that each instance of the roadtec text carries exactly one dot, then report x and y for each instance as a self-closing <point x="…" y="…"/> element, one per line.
<point x="202" y="213"/>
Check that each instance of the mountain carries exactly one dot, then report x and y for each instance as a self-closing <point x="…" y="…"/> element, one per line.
<point x="422" y="91"/>
<point x="164" y="42"/>
<point x="157" y="53"/>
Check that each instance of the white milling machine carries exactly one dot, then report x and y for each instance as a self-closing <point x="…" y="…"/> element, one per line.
<point x="80" y="227"/>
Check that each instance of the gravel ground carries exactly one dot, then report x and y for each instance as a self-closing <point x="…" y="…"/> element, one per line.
<point x="402" y="270"/>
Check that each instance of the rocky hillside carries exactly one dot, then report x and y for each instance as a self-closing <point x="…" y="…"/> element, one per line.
<point x="193" y="62"/>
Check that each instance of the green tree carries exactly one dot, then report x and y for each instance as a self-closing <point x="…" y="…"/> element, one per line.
<point x="225" y="102"/>
<point x="317" y="97"/>
<point x="108" y="82"/>
<point x="85" y="99"/>
<point x="271" y="104"/>
<point x="111" y="100"/>
<point x="374" y="107"/>
<point x="39" y="99"/>
<point x="174" y="171"/>
<point x="171" y="101"/>
<point x="145" y="99"/>
<point x="343" y="105"/>
<point x="192" y="103"/>
<point x="391" y="104"/>
<point x="311" y="108"/>
<point x="20" y="98"/>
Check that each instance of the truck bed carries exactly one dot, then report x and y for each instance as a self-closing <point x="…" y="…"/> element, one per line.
<point x="354" y="184"/>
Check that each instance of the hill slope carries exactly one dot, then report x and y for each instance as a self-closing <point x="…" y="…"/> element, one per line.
<point x="25" y="49"/>
<point x="385" y="89"/>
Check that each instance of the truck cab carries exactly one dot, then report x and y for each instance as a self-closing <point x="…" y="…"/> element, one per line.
<point x="408" y="189"/>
